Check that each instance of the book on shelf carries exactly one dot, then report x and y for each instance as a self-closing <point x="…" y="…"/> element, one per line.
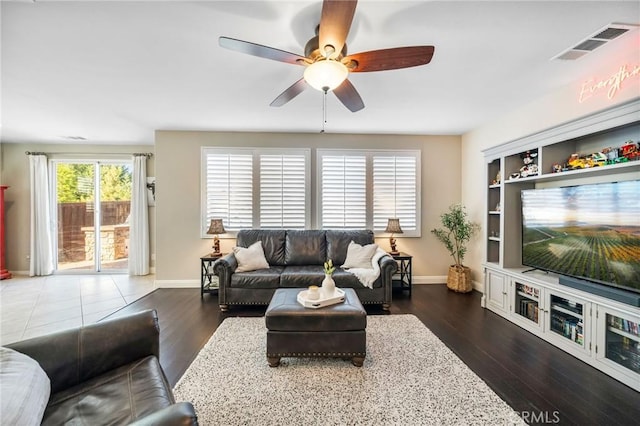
<point x="623" y="324"/>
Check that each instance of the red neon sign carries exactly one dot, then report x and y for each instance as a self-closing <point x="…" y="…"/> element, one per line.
<point x="613" y="83"/>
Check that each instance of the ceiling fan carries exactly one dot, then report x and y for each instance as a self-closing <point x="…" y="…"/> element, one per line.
<point x="326" y="60"/>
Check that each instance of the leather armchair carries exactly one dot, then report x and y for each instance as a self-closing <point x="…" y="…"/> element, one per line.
<point x="107" y="373"/>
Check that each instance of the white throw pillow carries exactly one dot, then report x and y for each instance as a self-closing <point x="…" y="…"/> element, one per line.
<point x="359" y="256"/>
<point x="250" y="258"/>
<point x="24" y="387"/>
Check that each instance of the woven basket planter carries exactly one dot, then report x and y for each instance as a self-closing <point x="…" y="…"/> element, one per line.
<point x="459" y="279"/>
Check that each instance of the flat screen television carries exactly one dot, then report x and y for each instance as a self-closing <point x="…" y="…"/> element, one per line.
<point x="590" y="232"/>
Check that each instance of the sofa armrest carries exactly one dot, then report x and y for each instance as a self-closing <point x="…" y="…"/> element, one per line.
<point x="73" y="356"/>
<point x="224" y="268"/>
<point x="179" y="414"/>
<point x="226" y="264"/>
<point x="388" y="266"/>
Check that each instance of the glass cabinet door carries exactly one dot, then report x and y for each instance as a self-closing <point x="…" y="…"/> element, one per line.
<point x="567" y="319"/>
<point x="622" y="342"/>
<point x="526" y="303"/>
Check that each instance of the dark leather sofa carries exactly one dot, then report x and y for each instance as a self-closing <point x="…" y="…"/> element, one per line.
<point x="107" y="373"/>
<point x="296" y="259"/>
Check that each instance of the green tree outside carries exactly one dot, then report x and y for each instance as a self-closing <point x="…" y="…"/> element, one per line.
<point x="75" y="183"/>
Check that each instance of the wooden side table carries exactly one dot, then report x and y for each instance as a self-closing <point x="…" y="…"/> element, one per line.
<point x="208" y="280"/>
<point x="402" y="278"/>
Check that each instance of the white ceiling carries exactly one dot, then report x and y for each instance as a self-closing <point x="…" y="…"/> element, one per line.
<point x="115" y="71"/>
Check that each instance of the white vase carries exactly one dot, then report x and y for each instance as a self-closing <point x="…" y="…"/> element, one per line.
<point x="328" y="286"/>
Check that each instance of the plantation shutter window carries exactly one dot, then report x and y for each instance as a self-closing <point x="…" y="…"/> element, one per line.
<point x="283" y="191"/>
<point x="395" y="191"/>
<point x="344" y="191"/>
<point x="360" y="189"/>
<point x="228" y="190"/>
<point x="255" y="188"/>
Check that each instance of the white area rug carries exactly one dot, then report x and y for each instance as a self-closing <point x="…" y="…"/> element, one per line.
<point x="409" y="377"/>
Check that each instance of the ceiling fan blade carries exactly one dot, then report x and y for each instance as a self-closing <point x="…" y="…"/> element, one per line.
<point x="390" y="59"/>
<point x="349" y="96"/>
<point x="335" y="23"/>
<point x="294" y="90"/>
<point x="261" y="51"/>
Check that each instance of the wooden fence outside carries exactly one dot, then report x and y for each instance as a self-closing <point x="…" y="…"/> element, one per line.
<point x="72" y="217"/>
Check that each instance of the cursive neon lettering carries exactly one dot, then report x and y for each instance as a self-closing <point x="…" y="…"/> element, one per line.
<point x="613" y="83"/>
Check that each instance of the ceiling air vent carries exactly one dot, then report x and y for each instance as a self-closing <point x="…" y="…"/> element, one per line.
<point x="599" y="38"/>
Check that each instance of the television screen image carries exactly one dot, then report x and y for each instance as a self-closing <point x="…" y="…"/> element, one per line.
<point x="590" y="232"/>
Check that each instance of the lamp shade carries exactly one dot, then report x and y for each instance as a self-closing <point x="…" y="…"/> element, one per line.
<point x="393" y="226"/>
<point x="216" y="227"/>
<point x="326" y="74"/>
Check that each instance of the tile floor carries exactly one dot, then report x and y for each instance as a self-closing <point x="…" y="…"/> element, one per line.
<point x="33" y="306"/>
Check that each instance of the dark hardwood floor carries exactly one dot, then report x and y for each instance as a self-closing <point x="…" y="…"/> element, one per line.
<point x="535" y="378"/>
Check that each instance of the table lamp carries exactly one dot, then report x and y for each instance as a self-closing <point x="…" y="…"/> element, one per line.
<point x="393" y="227"/>
<point x="216" y="227"/>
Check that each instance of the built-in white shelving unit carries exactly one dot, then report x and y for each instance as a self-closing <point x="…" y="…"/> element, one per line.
<point x="595" y="329"/>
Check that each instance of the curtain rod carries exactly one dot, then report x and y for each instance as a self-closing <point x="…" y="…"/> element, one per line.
<point x="146" y="154"/>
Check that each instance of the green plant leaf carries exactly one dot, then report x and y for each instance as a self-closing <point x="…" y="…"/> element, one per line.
<point x="456" y="232"/>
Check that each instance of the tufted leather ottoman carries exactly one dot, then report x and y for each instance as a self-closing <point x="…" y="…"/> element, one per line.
<point x="333" y="331"/>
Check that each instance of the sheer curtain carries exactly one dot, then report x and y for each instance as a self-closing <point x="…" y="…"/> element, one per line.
<point x="41" y="245"/>
<point x="139" y="220"/>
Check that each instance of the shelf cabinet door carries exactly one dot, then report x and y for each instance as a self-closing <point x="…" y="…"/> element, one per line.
<point x="527" y="305"/>
<point x="496" y="291"/>
<point x="618" y="344"/>
<point x="568" y="322"/>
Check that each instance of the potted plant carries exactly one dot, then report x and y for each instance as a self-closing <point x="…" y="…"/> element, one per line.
<point x="456" y="232"/>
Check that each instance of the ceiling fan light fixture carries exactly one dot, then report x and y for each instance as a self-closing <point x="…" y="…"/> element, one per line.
<point x="325" y="75"/>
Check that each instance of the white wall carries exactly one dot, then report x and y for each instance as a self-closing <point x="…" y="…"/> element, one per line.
<point x="560" y="107"/>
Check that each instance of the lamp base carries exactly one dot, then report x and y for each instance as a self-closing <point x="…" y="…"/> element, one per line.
<point x="394" y="253"/>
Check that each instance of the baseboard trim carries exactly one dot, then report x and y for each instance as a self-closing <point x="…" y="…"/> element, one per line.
<point x="429" y="279"/>
<point x="177" y="283"/>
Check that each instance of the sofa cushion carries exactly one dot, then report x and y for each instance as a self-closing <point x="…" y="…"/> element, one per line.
<point x="250" y="258"/>
<point x="262" y="278"/>
<point x="272" y="243"/>
<point x="302" y="276"/>
<point x="117" y="397"/>
<point x="305" y="248"/>
<point x="338" y="241"/>
<point x="360" y="256"/>
<point x="345" y="279"/>
<point x="24" y="389"/>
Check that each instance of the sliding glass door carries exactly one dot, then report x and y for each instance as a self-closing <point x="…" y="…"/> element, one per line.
<point x="93" y="202"/>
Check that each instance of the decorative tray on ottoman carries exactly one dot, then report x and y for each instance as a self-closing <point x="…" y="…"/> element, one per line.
<point x="338" y="297"/>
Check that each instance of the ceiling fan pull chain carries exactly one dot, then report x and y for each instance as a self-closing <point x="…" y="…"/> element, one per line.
<point x="324" y="110"/>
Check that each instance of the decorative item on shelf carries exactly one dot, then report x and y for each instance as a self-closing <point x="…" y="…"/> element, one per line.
<point x="496" y="181"/>
<point x="498" y="207"/>
<point x="530" y="168"/>
<point x="556" y="168"/>
<point x="456" y="232"/>
<point x="328" y="284"/>
<point x="393" y="227"/>
<point x="612" y="155"/>
<point x="630" y="150"/>
<point x="216" y="228"/>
